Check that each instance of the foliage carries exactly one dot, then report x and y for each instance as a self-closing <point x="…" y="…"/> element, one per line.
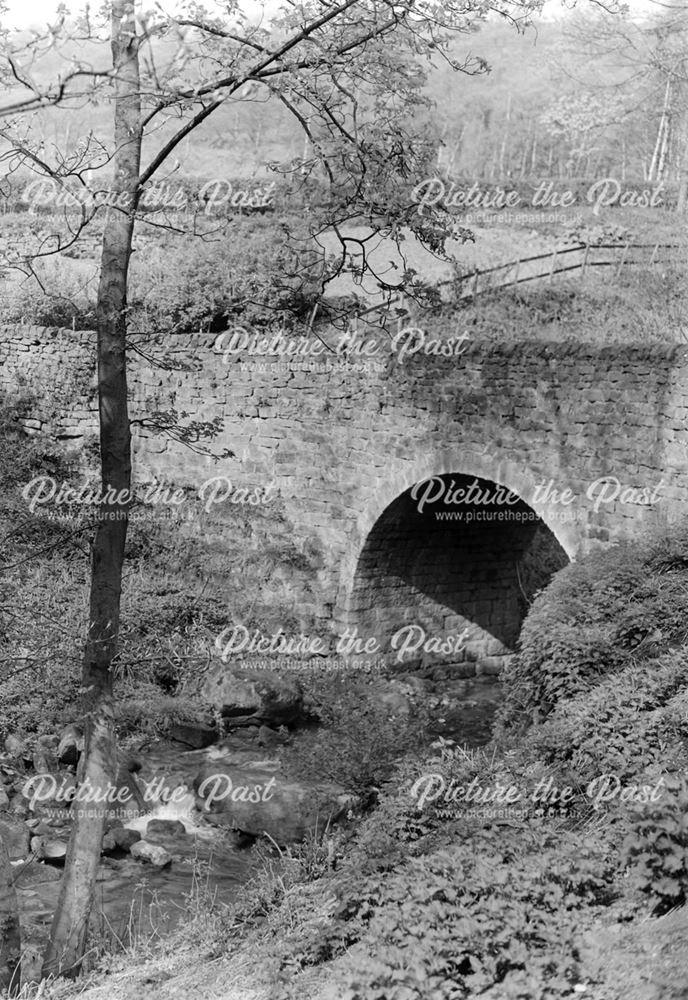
<point x="612" y="606"/>
<point x="641" y="306"/>
<point x="540" y="561"/>
<point x="144" y="710"/>
<point x="655" y="849"/>
<point x="180" y="591"/>
<point x="603" y="233"/>
<point x="359" y="740"/>
<point x="247" y="273"/>
<point x="254" y="276"/>
<point x="497" y="909"/>
<point x="40" y="564"/>
<point x="59" y="292"/>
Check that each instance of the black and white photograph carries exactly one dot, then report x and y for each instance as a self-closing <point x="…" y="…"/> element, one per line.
<point x="344" y="500"/>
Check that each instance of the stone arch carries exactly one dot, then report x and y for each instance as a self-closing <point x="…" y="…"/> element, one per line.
<point x="449" y="577"/>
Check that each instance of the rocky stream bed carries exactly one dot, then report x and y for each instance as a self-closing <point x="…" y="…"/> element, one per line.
<point x="184" y="816"/>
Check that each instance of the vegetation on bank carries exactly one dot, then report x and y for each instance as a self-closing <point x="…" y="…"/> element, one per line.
<point x="562" y="892"/>
<point x="254" y="275"/>
<point x="548" y="896"/>
<point x="183" y="585"/>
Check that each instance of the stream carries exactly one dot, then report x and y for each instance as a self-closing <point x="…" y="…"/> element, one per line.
<point x="138" y="901"/>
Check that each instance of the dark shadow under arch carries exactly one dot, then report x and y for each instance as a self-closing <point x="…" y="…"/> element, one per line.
<point x="452" y="567"/>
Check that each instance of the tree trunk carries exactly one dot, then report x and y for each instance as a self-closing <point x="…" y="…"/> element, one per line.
<point x="655" y="171"/>
<point x="505" y="139"/>
<point x="10" y="941"/>
<point x="68" y="934"/>
<point x="682" y="197"/>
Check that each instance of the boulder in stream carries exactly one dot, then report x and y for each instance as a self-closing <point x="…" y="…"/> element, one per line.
<point x="118" y="839"/>
<point x="193" y="733"/>
<point x="264" y="802"/>
<point x="258" y="695"/>
<point x="49" y="848"/>
<point x="152" y="854"/>
<point x="124" y="838"/>
<point x="164" y="828"/>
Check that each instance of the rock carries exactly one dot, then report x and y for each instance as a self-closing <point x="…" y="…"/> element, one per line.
<point x="151" y="854"/>
<point x="193" y="734"/>
<point x="49" y="849"/>
<point x="124" y="838"/>
<point x="15" y="747"/>
<point x="165" y="828"/>
<point x="241" y="840"/>
<point x="19" y="808"/>
<point x="15" y="836"/>
<point x="43" y="761"/>
<point x="4" y="798"/>
<point x="108" y="845"/>
<point x="263" y="802"/>
<point x="35" y="873"/>
<point x="71" y="744"/>
<point x="256" y="694"/>
<point x="270" y="738"/>
<point x="119" y="839"/>
<point x="41" y="828"/>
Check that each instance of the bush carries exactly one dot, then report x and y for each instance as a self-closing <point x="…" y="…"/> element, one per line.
<point x="656" y="846"/>
<point x="630" y="725"/>
<point x="65" y="296"/>
<point x="358" y="743"/>
<point x="497" y="914"/>
<point x="253" y="276"/>
<point x="41" y="633"/>
<point x="623" y="604"/>
<point x="257" y="272"/>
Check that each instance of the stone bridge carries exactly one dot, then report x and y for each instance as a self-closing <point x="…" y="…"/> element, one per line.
<point x="556" y="447"/>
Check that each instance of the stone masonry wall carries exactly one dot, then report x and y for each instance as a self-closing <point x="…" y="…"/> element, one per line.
<point x="341" y="445"/>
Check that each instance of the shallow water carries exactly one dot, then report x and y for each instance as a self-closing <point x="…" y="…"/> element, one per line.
<point x="137" y="900"/>
<point x="134" y="898"/>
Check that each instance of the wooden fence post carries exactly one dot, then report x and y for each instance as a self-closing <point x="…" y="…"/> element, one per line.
<point x="551" y="270"/>
<point x="622" y="261"/>
<point x="585" y="262"/>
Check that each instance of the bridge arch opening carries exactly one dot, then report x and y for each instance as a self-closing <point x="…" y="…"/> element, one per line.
<point x="455" y="556"/>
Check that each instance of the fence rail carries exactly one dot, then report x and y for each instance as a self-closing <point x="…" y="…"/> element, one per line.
<point x="516" y="272"/>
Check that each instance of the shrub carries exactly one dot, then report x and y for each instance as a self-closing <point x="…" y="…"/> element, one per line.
<point x="358" y="743"/>
<point x="40" y="631"/>
<point x="65" y="296"/>
<point x="256" y="272"/>
<point x="495" y="914"/>
<point x="630" y="725"/>
<point x="656" y="846"/>
<point x="621" y="604"/>
<point x="253" y="276"/>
